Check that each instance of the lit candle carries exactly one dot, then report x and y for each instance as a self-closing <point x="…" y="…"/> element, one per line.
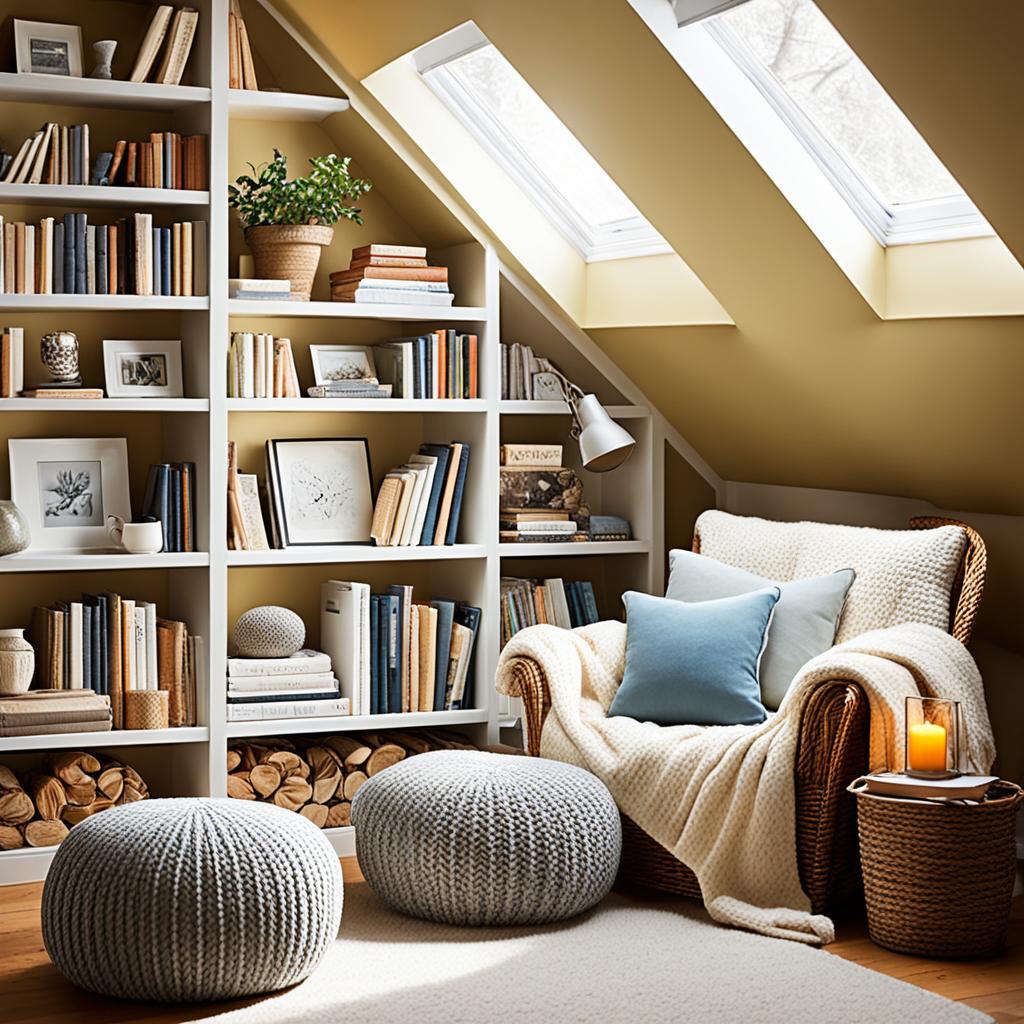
<point x="926" y="747"/>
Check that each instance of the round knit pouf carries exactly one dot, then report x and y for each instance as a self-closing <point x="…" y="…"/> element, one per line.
<point x="471" y="838"/>
<point x="189" y="900"/>
<point x="269" y="632"/>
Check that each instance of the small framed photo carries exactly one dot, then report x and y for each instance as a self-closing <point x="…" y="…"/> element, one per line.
<point x="44" y="48"/>
<point x="142" y="369"/>
<point x="334" y="364"/>
<point x="66" y="488"/>
<point x="322" y="489"/>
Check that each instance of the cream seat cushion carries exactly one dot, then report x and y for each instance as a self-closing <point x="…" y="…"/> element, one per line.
<point x="902" y="575"/>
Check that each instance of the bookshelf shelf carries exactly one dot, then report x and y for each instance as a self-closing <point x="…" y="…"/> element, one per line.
<point x="354" y="723"/>
<point x="63" y="561"/>
<point x="102" y="740"/>
<point x="357" y="311"/>
<point x="250" y="105"/>
<point x="385" y="405"/>
<point x="617" y="412"/>
<point x="100" y="303"/>
<point x="341" y="554"/>
<point x="92" y="92"/>
<point x="556" y="550"/>
<point x="104" y="404"/>
<point x="101" y="195"/>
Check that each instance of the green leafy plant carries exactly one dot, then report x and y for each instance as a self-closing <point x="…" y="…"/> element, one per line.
<point x="321" y="197"/>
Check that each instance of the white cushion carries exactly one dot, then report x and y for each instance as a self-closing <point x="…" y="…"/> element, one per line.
<point x="902" y="575"/>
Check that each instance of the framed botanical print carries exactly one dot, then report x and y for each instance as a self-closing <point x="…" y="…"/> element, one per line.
<point x="322" y="489"/>
<point x="337" y="364"/>
<point x="43" y="48"/>
<point x="66" y="488"/>
<point x="142" y="369"/>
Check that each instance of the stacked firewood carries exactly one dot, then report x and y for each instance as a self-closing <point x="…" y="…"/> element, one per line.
<point x="318" y="776"/>
<point x="68" y="788"/>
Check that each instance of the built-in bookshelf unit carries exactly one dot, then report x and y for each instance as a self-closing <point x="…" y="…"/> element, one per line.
<point x="306" y="114"/>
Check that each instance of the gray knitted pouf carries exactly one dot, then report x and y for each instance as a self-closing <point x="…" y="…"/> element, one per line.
<point x="189" y="900"/>
<point x="471" y="838"/>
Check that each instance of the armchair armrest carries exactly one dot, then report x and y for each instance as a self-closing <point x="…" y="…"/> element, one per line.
<point x="524" y="678"/>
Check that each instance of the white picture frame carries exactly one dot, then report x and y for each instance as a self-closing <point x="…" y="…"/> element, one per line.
<point x="142" y="369"/>
<point x="322" y="490"/>
<point x="66" y="488"/>
<point x="330" y="363"/>
<point x="48" y="48"/>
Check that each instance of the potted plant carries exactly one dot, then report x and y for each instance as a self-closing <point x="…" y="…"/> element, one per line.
<point x="288" y="222"/>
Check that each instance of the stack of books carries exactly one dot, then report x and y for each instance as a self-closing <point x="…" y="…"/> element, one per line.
<point x="896" y="784"/>
<point x="12" y="361"/>
<point x="391" y="274"/>
<point x="439" y="364"/>
<point x="109" y="644"/>
<point x="541" y="500"/>
<point x="420" y="502"/>
<point x="394" y="654"/>
<point x="528" y="377"/>
<point x="45" y="712"/>
<point x="351" y="387"/>
<point x="171" y="497"/>
<point x="265" y="289"/>
<point x="609" y="528"/>
<point x="261" y="366"/>
<point x="58" y="154"/>
<point x="129" y="257"/>
<point x="558" y="602"/>
<point x="172" y="31"/>
<point x="302" y="686"/>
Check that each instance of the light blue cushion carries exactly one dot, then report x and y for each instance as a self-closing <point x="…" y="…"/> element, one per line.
<point x="803" y="626"/>
<point x="694" y="663"/>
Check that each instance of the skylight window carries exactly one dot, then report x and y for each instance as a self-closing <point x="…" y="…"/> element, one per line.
<point x="496" y="104"/>
<point x="846" y="120"/>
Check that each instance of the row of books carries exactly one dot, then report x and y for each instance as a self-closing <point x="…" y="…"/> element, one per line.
<point x="528" y="377"/>
<point x="420" y="502"/>
<point x="173" y="32"/>
<point x="241" y="69"/>
<point x="438" y="364"/>
<point x="393" y="653"/>
<point x="109" y="644"/>
<point x="12" y="362"/>
<point x="170" y="496"/>
<point x="261" y="366"/>
<point x="391" y="274"/>
<point x="129" y="257"/>
<point x="59" y="155"/>
<point x="301" y="686"/>
<point x="558" y="602"/>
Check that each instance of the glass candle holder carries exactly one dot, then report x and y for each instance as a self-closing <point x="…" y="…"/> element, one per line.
<point x="931" y="741"/>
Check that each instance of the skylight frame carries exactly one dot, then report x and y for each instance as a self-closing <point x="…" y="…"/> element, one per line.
<point x="927" y="220"/>
<point x="624" y="238"/>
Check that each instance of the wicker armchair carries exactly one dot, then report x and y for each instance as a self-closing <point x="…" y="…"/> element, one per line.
<point x="832" y="751"/>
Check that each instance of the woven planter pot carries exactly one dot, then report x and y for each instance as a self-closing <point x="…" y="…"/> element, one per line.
<point x="938" y="878"/>
<point x="289" y="251"/>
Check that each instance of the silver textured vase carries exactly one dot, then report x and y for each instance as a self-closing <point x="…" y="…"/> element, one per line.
<point x="58" y="351"/>
<point x="14" y="533"/>
<point x="17" y="662"/>
<point x="103" y="54"/>
<point x="269" y="632"/>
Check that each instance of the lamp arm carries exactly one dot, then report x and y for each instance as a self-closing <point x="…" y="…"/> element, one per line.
<point x="571" y="395"/>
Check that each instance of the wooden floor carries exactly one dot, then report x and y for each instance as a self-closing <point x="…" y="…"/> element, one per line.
<point x="31" y="990"/>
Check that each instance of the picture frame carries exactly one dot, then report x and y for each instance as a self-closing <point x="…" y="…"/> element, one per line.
<point x="338" y="363"/>
<point x="66" y="488"/>
<point x="143" y="369"/>
<point x="48" y="48"/>
<point x="321" y="490"/>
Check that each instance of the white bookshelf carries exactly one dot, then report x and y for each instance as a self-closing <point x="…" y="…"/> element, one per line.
<point x="184" y="762"/>
<point x="101" y="195"/>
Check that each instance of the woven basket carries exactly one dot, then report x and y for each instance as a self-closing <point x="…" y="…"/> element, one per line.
<point x="146" y="709"/>
<point x="938" y="877"/>
<point x="290" y="252"/>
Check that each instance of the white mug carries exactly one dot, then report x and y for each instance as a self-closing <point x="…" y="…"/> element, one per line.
<point x="136" y="538"/>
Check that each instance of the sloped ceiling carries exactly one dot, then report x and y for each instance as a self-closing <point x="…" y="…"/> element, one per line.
<point x="809" y="388"/>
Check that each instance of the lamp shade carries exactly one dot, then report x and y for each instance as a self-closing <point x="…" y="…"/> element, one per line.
<point x="604" y="445"/>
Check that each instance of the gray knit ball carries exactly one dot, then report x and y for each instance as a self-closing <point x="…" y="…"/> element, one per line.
<point x="269" y="632"/>
<point x="472" y="838"/>
<point x="191" y="900"/>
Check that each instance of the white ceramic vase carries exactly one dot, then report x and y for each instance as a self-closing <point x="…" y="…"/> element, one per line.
<point x="17" y="662"/>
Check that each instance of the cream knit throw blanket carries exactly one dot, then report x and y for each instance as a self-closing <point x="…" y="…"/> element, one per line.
<point x="721" y="798"/>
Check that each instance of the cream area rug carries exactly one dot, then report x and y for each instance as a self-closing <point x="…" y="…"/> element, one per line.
<point x="628" y="961"/>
